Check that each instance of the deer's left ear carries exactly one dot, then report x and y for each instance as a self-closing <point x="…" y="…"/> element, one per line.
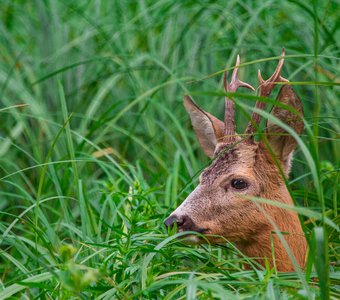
<point x="280" y="141"/>
<point x="208" y="129"/>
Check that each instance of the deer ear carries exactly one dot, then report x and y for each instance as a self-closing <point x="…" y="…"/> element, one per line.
<point x="208" y="129"/>
<point x="280" y="141"/>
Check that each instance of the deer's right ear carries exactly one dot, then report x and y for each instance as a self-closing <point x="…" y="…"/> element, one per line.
<point x="208" y="129"/>
<point x="282" y="143"/>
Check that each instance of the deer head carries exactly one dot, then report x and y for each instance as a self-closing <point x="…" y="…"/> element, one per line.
<point x="220" y="206"/>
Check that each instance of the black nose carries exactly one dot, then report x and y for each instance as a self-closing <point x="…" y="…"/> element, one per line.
<point x="184" y="223"/>
<point x="179" y="220"/>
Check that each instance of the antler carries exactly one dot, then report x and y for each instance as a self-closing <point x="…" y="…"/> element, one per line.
<point x="265" y="89"/>
<point x="229" y="116"/>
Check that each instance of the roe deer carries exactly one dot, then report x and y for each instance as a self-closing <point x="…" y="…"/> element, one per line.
<point x="241" y="168"/>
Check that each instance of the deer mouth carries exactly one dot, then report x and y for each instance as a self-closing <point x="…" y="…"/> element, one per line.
<point x="193" y="239"/>
<point x="198" y="230"/>
<point x="191" y="226"/>
<point x="203" y="230"/>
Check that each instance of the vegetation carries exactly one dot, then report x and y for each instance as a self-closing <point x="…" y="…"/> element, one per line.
<point x="96" y="148"/>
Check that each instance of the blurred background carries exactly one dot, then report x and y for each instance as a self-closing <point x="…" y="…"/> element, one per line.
<point x="96" y="147"/>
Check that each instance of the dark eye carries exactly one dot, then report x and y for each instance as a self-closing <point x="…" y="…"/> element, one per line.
<point x="239" y="184"/>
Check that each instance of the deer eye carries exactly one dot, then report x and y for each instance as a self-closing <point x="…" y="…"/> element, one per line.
<point x="239" y="184"/>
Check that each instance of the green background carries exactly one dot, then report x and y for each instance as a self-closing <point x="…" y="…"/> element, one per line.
<point x="96" y="148"/>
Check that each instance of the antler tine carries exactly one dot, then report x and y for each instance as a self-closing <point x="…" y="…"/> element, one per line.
<point x="267" y="86"/>
<point x="229" y="116"/>
<point x="235" y="82"/>
<point x="265" y="89"/>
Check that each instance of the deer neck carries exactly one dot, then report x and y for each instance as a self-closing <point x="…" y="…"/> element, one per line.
<point x="268" y="245"/>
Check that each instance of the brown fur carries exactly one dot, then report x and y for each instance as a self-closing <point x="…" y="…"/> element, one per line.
<point x="216" y="208"/>
<point x="240" y="220"/>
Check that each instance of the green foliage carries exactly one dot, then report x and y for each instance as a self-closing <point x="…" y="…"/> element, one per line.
<point x="96" y="148"/>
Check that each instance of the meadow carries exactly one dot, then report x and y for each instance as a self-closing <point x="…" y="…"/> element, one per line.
<point x="96" y="148"/>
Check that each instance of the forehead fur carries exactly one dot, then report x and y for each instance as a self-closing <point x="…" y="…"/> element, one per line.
<point x="248" y="157"/>
<point x="243" y="155"/>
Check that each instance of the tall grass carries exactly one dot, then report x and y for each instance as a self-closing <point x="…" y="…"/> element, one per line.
<point x="96" y="148"/>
